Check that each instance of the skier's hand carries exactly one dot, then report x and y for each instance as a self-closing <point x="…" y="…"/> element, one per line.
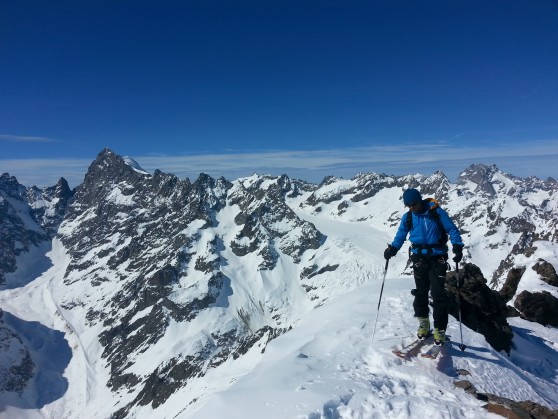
<point x="457" y="252"/>
<point x="390" y="252"/>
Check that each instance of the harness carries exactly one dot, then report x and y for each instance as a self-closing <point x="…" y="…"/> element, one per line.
<point x="433" y="214"/>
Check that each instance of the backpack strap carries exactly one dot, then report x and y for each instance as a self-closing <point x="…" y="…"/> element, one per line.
<point x="409" y="220"/>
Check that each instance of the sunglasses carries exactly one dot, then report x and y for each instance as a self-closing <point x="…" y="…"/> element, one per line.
<point x="412" y="204"/>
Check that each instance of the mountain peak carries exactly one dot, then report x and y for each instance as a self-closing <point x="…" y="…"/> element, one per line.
<point x="479" y="170"/>
<point x="10" y="185"/>
<point x="110" y="167"/>
<point x="481" y="175"/>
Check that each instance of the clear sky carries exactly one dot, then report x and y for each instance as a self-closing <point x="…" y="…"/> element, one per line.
<point x="306" y="88"/>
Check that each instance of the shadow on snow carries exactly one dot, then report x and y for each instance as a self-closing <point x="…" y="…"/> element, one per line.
<point x="50" y="353"/>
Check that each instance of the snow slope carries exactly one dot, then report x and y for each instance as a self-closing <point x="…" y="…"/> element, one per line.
<point x="329" y="367"/>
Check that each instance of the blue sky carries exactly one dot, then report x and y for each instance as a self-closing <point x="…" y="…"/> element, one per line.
<point x="306" y="88"/>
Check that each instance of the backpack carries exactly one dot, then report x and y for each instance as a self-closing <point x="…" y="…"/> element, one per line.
<point x="433" y="213"/>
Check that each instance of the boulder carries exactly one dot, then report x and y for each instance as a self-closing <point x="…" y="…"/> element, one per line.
<point x="482" y="309"/>
<point x="540" y="307"/>
<point x="546" y="272"/>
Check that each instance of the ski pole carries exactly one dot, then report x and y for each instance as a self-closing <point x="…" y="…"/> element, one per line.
<point x="462" y="346"/>
<point x="380" y="300"/>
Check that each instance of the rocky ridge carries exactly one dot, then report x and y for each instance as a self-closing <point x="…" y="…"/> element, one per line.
<point x="494" y="210"/>
<point x="144" y="230"/>
<point x="29" y="218"/>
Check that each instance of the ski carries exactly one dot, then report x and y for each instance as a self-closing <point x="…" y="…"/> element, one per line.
<point x="434" y="351"/>
<point x="412" y="348"/>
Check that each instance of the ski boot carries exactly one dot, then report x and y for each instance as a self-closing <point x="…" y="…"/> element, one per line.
<point x="424" y="328"/>
<point x="439" y="336"/>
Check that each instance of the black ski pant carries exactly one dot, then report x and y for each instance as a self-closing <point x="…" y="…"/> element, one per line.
<point x="430" y="275"/>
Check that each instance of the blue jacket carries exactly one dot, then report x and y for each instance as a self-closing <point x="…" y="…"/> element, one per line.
<point x="425" y="230"/>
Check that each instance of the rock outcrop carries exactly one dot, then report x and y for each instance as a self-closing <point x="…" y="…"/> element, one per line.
<point x="540" y="307"/>
<point x="482" y="309"/>
<point x="547" y="272"/>
<point x="506" y="407"/>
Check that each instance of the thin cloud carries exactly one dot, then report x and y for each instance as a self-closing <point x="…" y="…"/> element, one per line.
<point x="529" y="158"/>
<point x="46" y="172"/>
<point x="347" y="162"/>
<point x="26" y="139"/>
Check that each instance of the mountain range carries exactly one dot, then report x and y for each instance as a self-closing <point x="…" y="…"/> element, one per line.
<point x="140" y="294"/>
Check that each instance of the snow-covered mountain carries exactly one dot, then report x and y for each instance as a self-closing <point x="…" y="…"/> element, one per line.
<point x="29" y="220"/>
<point x="164" y="297"/>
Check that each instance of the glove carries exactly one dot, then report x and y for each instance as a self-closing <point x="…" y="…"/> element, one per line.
<point x="457" y="252"/>
<point x="390" y="252"/>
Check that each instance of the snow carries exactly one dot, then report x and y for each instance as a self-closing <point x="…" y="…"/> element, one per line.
<point x="511" y="208"/>
<point x="327" y="366"/>
<point x="135" y="165"/>
<point x="22" y="210"/>
<point x="30" y="265"/>
<point x="118" y="198"/>
<point x="537" y="198"/>
<point x="530" y="281"/>
<point x="502" y="182"/>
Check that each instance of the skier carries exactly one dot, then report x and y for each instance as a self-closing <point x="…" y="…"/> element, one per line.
<point x="429" y="227"/>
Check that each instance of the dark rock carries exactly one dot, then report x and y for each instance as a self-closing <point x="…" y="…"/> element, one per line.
<point x="15" y="374"/>
<point x="538" y="411"/>
<point x="506" y="407"/>
<point x="513" y="409"/>
<point x="466" y="386"/>
<point x="506" y="411"/>
<point x="512" y="312"/>
<point x="547" y="272"/>
<point x="509" y="288"/>
<point x="19" y="230"/>
<point x="482" y="309"/>
<point x="49" y="205"/>
<point x="540" y="307"/>
<point x="481" y="175"/>
<point x="263" y="215"/>
<point x="313" y="270"/>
